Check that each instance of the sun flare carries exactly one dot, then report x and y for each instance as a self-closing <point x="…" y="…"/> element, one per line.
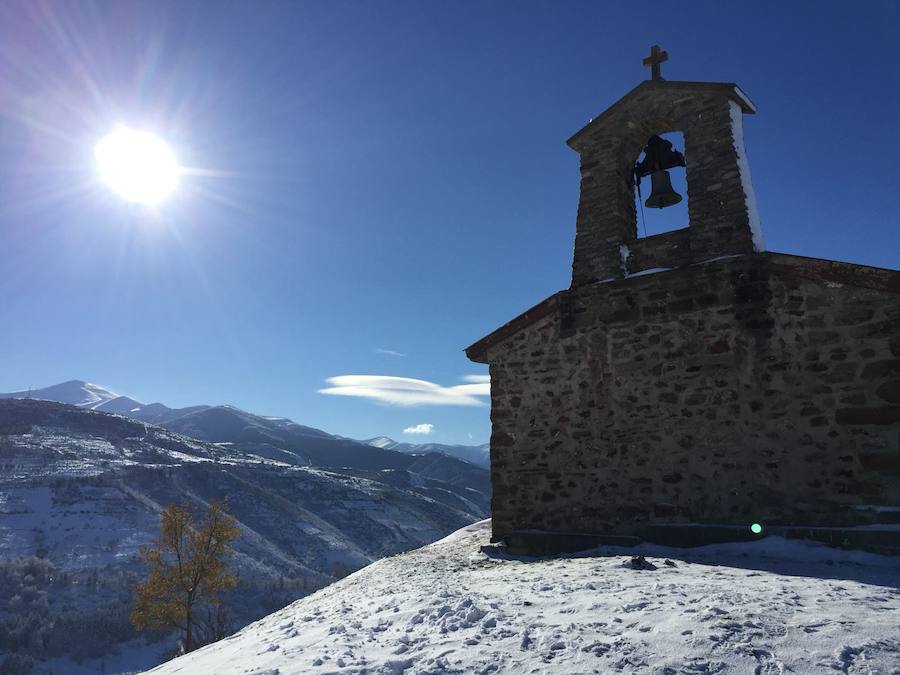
<point x="137" y="165"/>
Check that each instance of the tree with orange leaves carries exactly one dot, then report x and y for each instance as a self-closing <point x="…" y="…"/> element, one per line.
<point x="187" y="570"/>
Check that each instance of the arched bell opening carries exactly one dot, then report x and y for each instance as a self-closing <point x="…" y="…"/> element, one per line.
<point x="660" y="185"/>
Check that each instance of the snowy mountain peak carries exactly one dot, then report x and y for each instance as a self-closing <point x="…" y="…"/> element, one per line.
<point x="381" y="442"/>
<point x="121" y="405"/>
<point x="73" y="392"/>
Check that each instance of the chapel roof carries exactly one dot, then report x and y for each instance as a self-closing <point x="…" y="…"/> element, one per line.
<point x="729" y="88"/>
<point x="826" y="271"/>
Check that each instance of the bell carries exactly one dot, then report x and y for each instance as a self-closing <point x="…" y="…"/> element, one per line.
<point x="661" y="194"/>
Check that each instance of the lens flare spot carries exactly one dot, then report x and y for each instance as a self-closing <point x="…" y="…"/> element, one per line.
<point x="137" y="165"/>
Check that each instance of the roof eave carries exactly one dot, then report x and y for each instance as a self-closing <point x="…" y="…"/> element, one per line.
<point x="477" y="351"/>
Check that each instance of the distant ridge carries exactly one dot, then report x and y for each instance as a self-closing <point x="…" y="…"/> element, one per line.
<point x="480" y="455"/>
<point x="96" y="397"/>
<point x="272" y="436"/>
<point x="229" y="424"/>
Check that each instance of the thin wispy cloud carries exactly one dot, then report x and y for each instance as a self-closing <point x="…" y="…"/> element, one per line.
<point x="423" y="429"/>
<point x="388" y="352"/>
<point x="478" y="379"/>
<point x="406" y="391"/>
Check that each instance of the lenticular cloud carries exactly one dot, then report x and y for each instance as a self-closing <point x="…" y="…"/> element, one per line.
<point x="406" y="391"/>
<point x="478" y="379"/>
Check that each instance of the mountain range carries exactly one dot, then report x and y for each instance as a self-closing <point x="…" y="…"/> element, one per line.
<point x="84" y="477"/>
<point x="99" y="398"/>
<point x="225" y="423"/>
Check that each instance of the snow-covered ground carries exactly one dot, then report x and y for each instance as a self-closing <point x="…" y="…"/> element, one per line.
<point x="771" y="606"/>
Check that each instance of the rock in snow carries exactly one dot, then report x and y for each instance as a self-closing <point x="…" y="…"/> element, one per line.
<point x="770" y="606"/>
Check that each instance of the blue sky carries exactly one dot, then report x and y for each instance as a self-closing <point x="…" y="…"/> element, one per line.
<point x="380" y="177"/>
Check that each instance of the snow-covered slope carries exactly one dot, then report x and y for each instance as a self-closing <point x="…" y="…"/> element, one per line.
<point x="383" y="442"/>
<point x="480" y="455"/>
<point x="764" y="607"/>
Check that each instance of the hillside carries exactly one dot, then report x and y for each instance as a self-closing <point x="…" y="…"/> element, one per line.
<point x="81" y="491"/>
<point x="765" y="607"/>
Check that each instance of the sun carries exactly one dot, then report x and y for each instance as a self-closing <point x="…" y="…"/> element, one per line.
<point x="137" y="165"/>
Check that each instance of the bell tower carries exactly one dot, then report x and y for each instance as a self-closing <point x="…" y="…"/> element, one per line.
<point x="722" y="215"/>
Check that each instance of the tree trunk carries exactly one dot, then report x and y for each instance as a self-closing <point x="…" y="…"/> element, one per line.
<point x="188" y="637"/>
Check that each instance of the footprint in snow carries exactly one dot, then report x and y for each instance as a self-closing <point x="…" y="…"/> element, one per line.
<point x="526" y="641"/>
<point x="635" y="606"/>
<point x="852" y="660"/>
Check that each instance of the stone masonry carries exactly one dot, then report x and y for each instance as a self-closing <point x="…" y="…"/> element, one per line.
<point x="737" y="386"/>
<point x="721" y="206"/>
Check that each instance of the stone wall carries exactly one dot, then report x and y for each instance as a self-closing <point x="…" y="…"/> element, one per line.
<point x="666" y="250"/>
<point x="763" y="388"/>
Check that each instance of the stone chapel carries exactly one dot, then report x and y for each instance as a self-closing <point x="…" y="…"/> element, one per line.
<point x="691" y="377"/>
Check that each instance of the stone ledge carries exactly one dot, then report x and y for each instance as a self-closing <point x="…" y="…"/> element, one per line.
<point x="884" y="540"/>
<point x="553" y="543"/>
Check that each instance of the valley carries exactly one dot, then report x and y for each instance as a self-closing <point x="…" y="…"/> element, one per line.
<point x="81" y="491"/>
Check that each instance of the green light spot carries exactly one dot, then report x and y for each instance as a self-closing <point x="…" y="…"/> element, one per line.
<point x="756" y="528"/>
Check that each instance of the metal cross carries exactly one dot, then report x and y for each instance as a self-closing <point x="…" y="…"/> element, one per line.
<point x="656" y="57"/>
